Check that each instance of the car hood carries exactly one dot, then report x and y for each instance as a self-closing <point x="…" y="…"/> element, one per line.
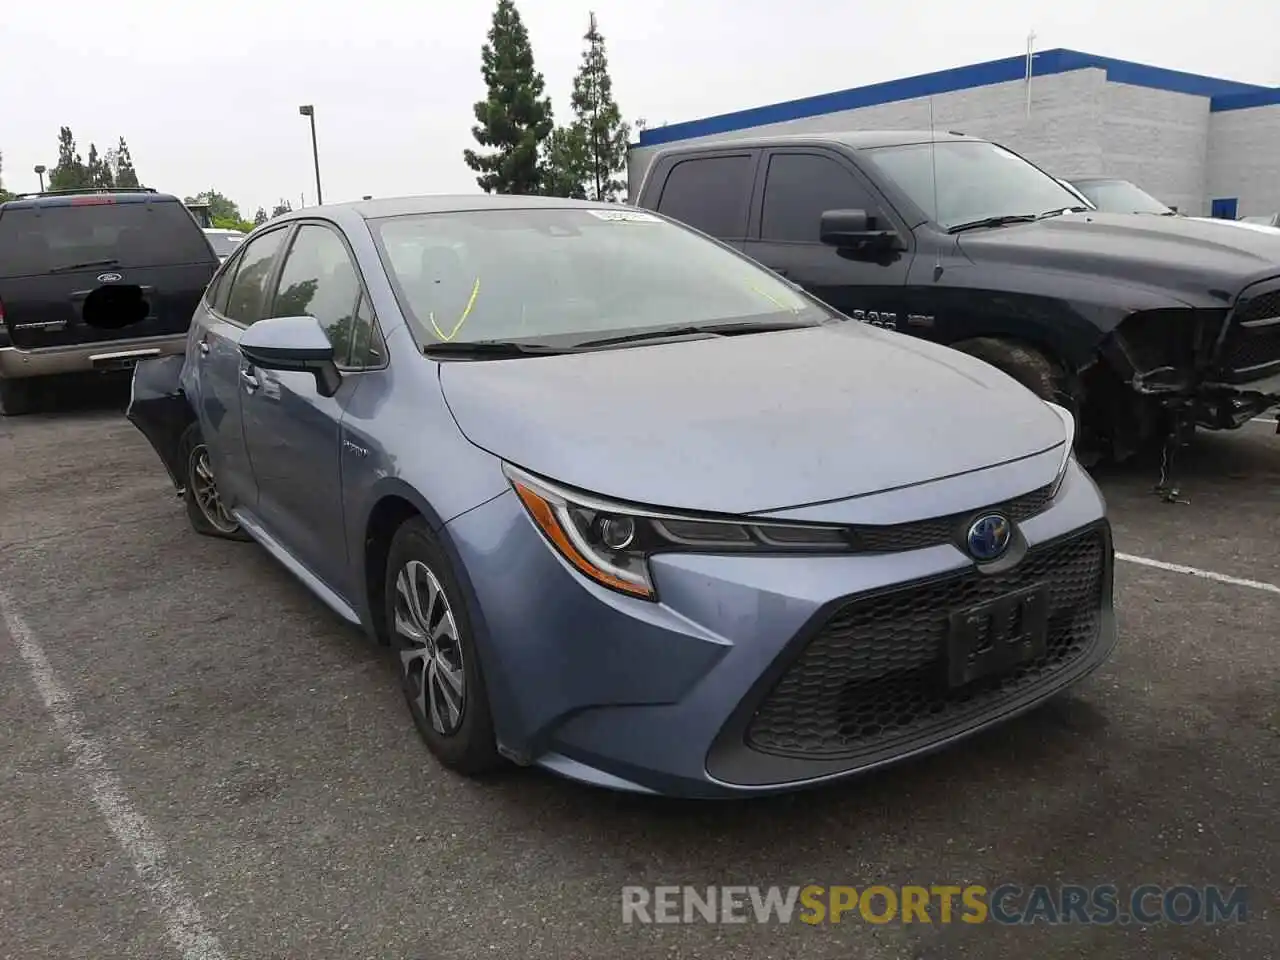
<point x="1192" y="257"/>
<point x="751" y="423"/>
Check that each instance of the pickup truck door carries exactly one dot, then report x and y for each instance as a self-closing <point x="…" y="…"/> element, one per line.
<point x="794" y="186"/>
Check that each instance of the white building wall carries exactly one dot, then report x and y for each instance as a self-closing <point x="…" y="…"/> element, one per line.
<point x="1062" y="134"/>
<point x="1244" y="159"/>
<point x="1158" y="140"/>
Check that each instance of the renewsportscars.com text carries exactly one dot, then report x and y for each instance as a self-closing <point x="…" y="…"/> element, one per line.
<point x="1006" y="903"/>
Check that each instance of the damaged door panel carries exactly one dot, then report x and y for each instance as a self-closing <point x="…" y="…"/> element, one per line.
<point x="159" y="408"/>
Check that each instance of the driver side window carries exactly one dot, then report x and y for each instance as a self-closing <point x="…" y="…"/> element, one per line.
<point x="799" y="187"/>
<point x="320" y="280"/>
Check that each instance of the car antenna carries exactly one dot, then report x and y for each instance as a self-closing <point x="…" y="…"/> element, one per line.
<point x="933" y="162"/>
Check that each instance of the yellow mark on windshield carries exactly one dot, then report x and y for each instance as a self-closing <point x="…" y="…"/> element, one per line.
<point x="475" y="292"/>
<point x="774" y="300"/>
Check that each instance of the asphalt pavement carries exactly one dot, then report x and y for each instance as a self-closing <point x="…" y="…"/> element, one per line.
<point x="199" y="761"/>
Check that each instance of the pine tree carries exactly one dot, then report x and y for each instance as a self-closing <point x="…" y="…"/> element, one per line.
<point x="260" y="217"/>
<point x="515" y="120"/>
<point x="600" y="121"/>
<point x="126" y="175"/>
<point x="4" y="194"/>
<point x="70" y="172"/>
<point x="98" y="171"/>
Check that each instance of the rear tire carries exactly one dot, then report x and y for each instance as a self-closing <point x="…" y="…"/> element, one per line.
<point x="440" y="673"/>
<point x="204" y="505"/>
<point x="17" y="397"/>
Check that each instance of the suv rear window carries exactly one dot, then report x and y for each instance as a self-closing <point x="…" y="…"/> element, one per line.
<point x="44" y="237"/>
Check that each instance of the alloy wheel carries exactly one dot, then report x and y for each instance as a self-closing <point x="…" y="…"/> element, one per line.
<point x="430" y="649"/>
<point x="205" y="490"/>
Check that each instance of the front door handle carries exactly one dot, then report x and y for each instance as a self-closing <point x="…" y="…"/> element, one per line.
<point x="251" y="383"/>
<point x="204" y="347"/>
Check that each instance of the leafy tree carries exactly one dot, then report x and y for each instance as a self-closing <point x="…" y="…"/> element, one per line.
<point x="281" y="208"/>
<point x="600" y="121"/>
<point x="233" y="223"/>
<point x="220" y="206"/>
<point x="70" y="173"/>
<point x="260" y="217"/>
<point x="126" y="175"/>
<point x="4" y="194"/>
<point x="515" y="120"/>
<point x="565" y="163"/>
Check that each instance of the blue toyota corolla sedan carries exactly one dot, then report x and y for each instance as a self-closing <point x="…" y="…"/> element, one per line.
<point x="627" y="505"/>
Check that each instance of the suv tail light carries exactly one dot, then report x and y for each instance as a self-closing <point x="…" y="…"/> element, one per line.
<point x="5" y="339"/>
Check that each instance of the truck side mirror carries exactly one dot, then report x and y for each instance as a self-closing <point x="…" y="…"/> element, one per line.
<point x="853" y="230"/>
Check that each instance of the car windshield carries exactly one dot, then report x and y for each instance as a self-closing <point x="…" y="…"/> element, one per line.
<point x="1120" y="196"/>
<point x="569" y="274"/>
<point x="972" y="180"/>
<point x="225" y="244"/>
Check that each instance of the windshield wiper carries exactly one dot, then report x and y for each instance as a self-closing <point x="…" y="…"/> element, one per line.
<point x="992" y="222"/>
<point x="68" y="267"/>
<point x="1060" y="211"/>
<point x="707" y="329"/>
<point x="490" y="348"/>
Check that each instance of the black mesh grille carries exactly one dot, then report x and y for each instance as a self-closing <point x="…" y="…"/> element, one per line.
<point x="930" y="533"/>
<point x="1247" y="348"/>
<point x="875" y="675"/>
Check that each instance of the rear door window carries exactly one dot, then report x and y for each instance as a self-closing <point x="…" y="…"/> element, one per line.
<point x="118" y="236"/>
<point x="249" y="288"/>
<point x="710" y="194"/>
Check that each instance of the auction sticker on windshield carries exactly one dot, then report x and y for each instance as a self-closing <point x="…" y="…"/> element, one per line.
<point x="625" y="216"/>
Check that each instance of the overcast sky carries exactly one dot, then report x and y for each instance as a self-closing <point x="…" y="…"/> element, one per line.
<point x="207" y="94"/>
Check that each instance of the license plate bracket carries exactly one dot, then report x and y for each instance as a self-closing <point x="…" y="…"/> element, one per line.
<point x="994" y="637"/>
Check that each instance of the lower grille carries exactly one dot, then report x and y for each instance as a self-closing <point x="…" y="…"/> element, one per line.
<point x="875" y="676"/>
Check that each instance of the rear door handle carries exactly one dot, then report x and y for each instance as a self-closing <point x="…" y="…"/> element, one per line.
<point x="251" y="383"/>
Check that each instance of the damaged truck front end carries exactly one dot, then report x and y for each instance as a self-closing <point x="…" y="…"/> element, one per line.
<point x="1214" y="368"/>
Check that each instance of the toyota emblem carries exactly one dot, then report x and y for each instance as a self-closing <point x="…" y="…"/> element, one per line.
<point x="108" y="277"/>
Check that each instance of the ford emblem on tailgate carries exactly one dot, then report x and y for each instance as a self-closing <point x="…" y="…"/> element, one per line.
<point x="108" y="277"/>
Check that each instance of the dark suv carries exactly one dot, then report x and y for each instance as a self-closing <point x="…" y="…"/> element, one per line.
<point x="94" y="281"/>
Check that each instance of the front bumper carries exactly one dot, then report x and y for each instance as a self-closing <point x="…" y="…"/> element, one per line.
<point x="18" y="363"/>
<point x="660" y="697"/>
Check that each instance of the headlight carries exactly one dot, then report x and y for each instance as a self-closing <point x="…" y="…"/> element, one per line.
<point x="1069" y="425"/>
<point x="611" y="542"/>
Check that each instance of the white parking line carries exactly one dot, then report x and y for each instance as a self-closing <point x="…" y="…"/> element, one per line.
<point x="181" y="919"/>
<point x="1197" y="572"/>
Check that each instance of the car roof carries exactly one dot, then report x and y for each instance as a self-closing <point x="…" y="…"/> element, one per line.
<point x="1099" y="180"/>
<point x="855" y="139"/>
<point x="443" y="203"/>
<point x="76" y="198"/>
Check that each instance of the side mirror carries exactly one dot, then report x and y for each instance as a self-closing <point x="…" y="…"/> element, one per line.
<point x="293" y="343"/>
<point x="852" y="230"/>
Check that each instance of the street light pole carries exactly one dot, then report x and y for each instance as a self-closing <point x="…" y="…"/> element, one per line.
<point x="307" y="110"/>
<point x="40" y="169"/>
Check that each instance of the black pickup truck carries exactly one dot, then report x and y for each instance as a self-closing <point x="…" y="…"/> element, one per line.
<point x="1145" y="327"/>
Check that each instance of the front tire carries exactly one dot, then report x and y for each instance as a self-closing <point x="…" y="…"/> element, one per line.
<point x="205" y="508"/>
<point x="440" y="672"/>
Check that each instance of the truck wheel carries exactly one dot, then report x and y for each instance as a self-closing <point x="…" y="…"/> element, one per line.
<point x="1027" y="365"/>
<point x="205" y="509"/>
<point x="1041" y="376"/>
<point x="16" y="397"/>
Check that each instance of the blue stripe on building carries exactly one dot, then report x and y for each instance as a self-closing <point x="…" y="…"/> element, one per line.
<point x="1222" y="94"/>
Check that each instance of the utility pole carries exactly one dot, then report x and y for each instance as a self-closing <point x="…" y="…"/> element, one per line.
<point x="307" y="110"/>
<point x="1031" y="39"/>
